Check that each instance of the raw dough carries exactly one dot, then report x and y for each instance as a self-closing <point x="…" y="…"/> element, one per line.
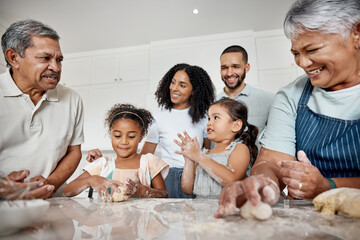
<point x="262" y="211"/>
<point x="343" y="201"/>
<point x="119" y="196"/>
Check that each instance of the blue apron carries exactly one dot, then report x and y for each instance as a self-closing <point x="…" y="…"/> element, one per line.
<point x="331" y="144"/>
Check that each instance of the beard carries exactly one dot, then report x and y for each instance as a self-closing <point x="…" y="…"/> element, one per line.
<point x="239" y="82"/>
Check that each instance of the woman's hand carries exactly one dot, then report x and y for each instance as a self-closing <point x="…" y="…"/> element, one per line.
<point x="190" y="147"/>
<point x="93" y="154"/>
<point x="303" y="179"/>
<point x="254" y="189"/>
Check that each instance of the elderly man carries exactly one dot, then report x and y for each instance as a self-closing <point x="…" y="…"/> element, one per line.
<point x="41" y="122"/>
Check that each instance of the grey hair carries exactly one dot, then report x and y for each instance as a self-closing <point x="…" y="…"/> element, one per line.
<point x="328" y="16"/>
<point x="18" y="35"/>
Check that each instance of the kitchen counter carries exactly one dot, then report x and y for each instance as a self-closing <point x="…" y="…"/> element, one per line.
<point x="84" y="218"/>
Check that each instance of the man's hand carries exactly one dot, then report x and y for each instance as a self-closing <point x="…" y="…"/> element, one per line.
<point x="13" y="187"/>
<point x="93" y="154"/>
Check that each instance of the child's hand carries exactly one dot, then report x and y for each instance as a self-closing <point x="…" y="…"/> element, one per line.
<point x="93" y="154"/>
<point x="190" y="147"/>
<point x="102" y="185"/>
<point x="131" y="188"/>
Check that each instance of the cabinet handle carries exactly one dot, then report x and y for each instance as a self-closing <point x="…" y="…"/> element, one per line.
<point x="120" y="79"/>
<point x="115" y="79"/>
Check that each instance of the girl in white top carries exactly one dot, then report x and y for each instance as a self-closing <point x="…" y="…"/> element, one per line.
<point x="137" y="175"/>
<point x="205" y="174"/>
<point x="185" y="93"/>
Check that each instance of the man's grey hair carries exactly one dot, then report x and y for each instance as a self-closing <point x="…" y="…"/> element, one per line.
<point x="328" y="16"/>
<point x="18" y="35"/>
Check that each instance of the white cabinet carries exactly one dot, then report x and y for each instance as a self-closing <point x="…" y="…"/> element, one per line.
<point x="2" y="58"/>
<point x="276" y="65"/>
<point x="99" y="101"/>
<point x="124" y="66"/>
<point x="76" y="71"/>
<point x="103" y="79"/>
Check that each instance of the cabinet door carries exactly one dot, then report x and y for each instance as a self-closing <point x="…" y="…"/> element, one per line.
<point x="2" y="68"/>
<point x="274" y="52"/>
<point x="105" y="69"/>
<point x="133" y="93"/>
<point x="76" y="71"/>
<point x="2" y="58"/>
<point x="83" y="91"/>
<point x="273" y="79"/>
<point x="101" y="99"/>
<point x="134" y="66"/>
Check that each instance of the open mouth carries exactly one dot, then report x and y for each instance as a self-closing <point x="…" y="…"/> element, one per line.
<point x="316" y="71"/>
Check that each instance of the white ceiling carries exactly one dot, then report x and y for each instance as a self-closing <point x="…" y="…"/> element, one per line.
<point x="87" y="25"/>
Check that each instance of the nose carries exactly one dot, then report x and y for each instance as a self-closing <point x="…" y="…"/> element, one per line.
<point x="174" y="87"/>
<point x="123" y="140"/>
<point x="230" y="71"/>
<point x="54" y="65"/>
<point x="303" y="61"/>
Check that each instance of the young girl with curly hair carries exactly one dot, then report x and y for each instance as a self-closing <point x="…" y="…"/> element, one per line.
<point x="184" y="93"/>
<point x="206" y="174"/>
<point x="137" y="175"/>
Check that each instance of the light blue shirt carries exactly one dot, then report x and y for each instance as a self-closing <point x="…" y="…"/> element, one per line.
<point x="258" y="102"/>
<point x="279" y="134"/>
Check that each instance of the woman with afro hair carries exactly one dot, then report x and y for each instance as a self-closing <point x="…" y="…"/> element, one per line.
<point x="184" y="95"/>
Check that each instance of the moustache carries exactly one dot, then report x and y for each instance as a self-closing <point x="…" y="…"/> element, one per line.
<point x="50" y="74"/>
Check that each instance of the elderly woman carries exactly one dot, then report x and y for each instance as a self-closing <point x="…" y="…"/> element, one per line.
<point x="315" y="119"/>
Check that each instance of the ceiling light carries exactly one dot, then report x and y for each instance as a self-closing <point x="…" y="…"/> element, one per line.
<point x="195" y="11"/>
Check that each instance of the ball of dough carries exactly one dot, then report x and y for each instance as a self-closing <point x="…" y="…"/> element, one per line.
<point x="262" y="211"/>
<point x="343" y="201"/>
<point x="119" y="196"/>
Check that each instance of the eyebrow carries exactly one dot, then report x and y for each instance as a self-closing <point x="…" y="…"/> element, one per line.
<point x="126" y="132"/>
<point x="304" y="47"/>
<point x="50" y="54"/>
<point x="180" y="81"/>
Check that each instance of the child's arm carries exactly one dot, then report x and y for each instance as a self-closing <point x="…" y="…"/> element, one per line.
<point x="238" y="160"/>
<point x="237" y="165"/>
<point x="140" y="190"/>
<point x="85" y="180"/>
<point x="188" y="176"/>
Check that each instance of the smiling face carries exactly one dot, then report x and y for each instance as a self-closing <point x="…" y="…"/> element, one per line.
<point x="220" y="125"/>
<point x="180" y="90"/>
<point x="330" y="61"/>
<point x="40" y="68"/>
<point x="233" y="69"/>
<point x="125" y="137"/>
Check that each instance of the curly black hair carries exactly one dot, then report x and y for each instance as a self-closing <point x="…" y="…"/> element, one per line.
<point x="248" y="132"/>
<point x="203" y="94"/>
<point x="127" y="111"/>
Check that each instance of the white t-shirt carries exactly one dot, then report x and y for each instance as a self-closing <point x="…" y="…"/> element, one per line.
<point x="167" y="124"/>
<point x="279" y="135"/>
<point x="37" y="137"/>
